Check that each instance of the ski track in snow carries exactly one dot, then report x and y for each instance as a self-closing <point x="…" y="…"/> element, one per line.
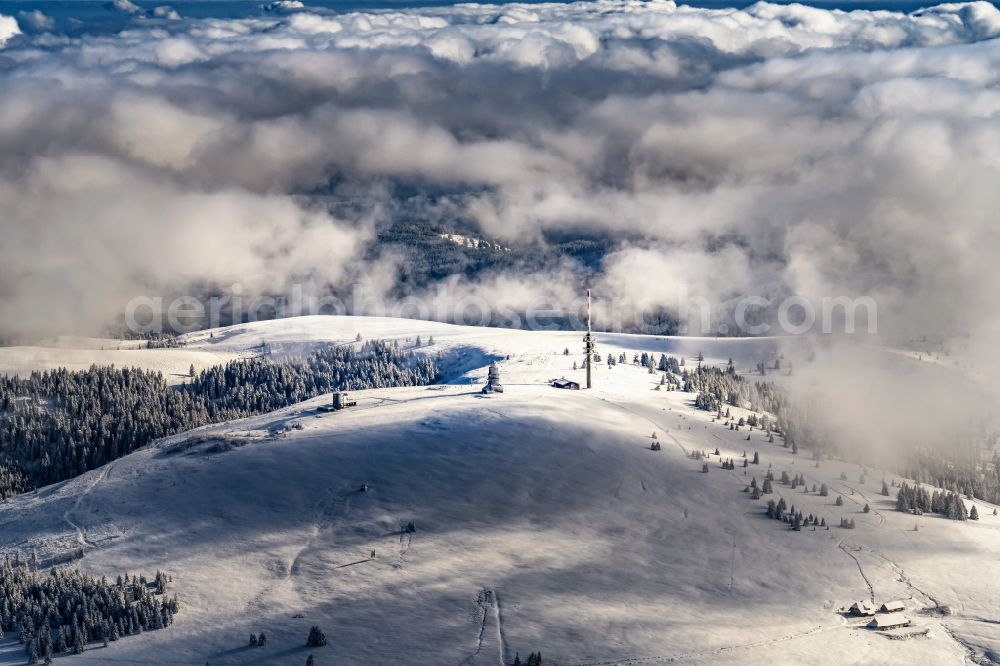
<point x="869" y="502"/>
<point x="490" y="630"/>
<point x="905" y="580"/>
<point x="500" y="635"/>
<point x="482" y="631"/>
<point x="677" y="442"/>
<point x="648" y="419"/>
<point x="322" y="518"/>
<point x="81" y="533"/>
<point x="405" y="541"/>
<point x="871" y="588"/>
<point x="972" y="655"/>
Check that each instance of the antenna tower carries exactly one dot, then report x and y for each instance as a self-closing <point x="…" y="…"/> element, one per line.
<point x="589" y="346"/>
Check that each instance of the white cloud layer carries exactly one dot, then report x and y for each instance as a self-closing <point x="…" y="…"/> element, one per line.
<point x="826" y="152"/>
<point x="8" y="28"/>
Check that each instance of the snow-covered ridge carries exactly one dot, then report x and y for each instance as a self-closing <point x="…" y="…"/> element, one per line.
<point x="543" y="520"/>
<point x="299" y="335"/>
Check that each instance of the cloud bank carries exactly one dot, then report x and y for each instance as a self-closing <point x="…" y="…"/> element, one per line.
<point x="775" y="149"/>
<point x="8" y="28"/>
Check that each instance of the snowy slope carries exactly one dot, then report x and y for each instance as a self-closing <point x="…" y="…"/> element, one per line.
<point x="543" y="521"/>
<point x="175" y="364"/>
<point x="299" y="335"/>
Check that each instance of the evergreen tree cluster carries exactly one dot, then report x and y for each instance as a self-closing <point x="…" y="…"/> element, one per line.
<point x="64" y="610"/>
<point x="57" y="424"/>
<point x="978" y="480"/>
<point x="794" y="519"/>
<point x="163" y="341"/>
<point x="717" y="388"/>
<point x="914" y="499"/>
<point x="663" y="364"/>
<point x="793" y="481"/>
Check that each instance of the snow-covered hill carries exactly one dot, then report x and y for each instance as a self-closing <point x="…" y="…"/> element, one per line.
<point x="283" y="337"/>
<point x="542" y="521"/>
<point x="175" y="364"/>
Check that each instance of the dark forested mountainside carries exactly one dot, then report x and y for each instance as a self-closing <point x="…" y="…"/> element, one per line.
<point x="64" y="610"/>
<point x="431" y="255"/>
<point x="56" y="425"/>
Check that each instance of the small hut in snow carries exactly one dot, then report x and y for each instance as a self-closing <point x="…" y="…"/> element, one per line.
<point x="883" y="622"/>
<point x="564" y="383"/>
<point x="862" y="608"/>
<point x="892" y="607"/>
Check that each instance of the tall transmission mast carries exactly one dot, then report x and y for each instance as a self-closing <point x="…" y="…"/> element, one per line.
<point x="589" y="346"/>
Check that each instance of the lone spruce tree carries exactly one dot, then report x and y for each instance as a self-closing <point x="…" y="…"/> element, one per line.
<point x="316" y="637"/>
